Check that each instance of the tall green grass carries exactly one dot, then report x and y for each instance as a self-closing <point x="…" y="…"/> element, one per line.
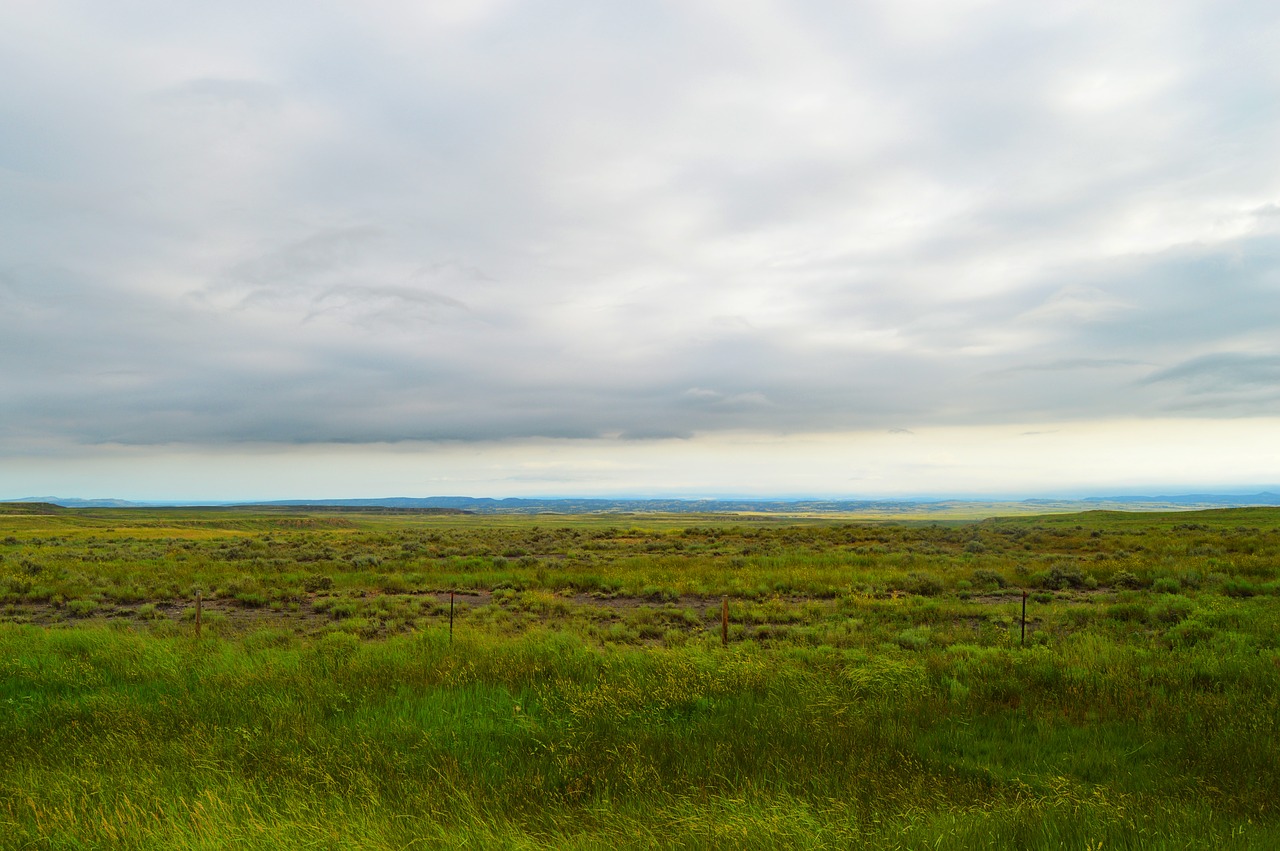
<point x="117" y="739"/>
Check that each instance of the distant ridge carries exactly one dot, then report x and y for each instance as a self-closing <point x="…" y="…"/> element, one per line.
<point x="72" y="502"/>
<point x="29" y="507"/>
<point x="363" y="506"/>
<point x="518" y="505"/>
<point x="515" y="505"/>
<point x="1198" y="499"/>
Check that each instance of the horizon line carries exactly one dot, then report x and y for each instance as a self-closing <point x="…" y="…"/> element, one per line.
<point x="1127" y="495"/>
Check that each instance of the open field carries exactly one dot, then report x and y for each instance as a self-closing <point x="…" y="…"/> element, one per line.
<point x="875" y="690"/>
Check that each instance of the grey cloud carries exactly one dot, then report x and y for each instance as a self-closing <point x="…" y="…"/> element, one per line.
<point x="356" y="275"/>
<point x="1074" y="364"/>
<point x="655" y="222"/>
<point x="1227" y="371"/>
<point x="244" y="96"/>
<point x="730" y="401"/>
<point x="299" y="264"/>
<point x="388" y="304"/>
<point x="654" y="434"/>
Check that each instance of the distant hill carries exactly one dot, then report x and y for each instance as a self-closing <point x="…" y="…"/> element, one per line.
<point x="882" y="507"/>
<point x="71" y="502"/>
<point x="365" y="507"/>
<point x="484" y="505"/>
<point x="1197" y="499"/>
<point x="29" y="507"/>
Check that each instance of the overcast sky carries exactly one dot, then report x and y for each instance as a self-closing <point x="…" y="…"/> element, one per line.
<point x="839" y="248"/>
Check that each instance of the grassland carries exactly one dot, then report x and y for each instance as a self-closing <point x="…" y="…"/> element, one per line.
<point x="875" y="690"/>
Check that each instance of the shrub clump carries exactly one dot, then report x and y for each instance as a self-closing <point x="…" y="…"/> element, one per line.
<point x="922" y="584"/>
<point x="1060" y="576"/>
<point x="1172" y="610"/>
<point x="988" y="578"/>
<point x="916" y="638"/>
<point x="317" y="582"/>
<point x="1126" y="579"/>
<point x="1235" y="587"/>
<point x="1189" y="633"/>
<point x="82" y="608"/>
<point x="343" y="609"/>
<point x="1130" y="611"/>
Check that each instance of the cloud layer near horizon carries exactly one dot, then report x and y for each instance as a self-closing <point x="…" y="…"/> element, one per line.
<point x="487" y="221"/>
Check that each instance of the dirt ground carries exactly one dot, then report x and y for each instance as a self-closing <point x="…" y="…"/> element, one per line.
<point x="303" y="616"/>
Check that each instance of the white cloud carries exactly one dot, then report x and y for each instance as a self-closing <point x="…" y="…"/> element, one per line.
<point x="1014" y="460"/>
<point x="487" y="221"/>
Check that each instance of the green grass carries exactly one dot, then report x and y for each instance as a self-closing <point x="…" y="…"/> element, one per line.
<point x="117" y="739"/>
<point x="874" y="692"/>
<point x="137" y="556"/>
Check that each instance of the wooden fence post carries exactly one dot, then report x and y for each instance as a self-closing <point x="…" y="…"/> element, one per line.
<point x="198" y="607"/>
<point x="1024" y="618"/>
<point x="724" y="621"/>
<point x="450" y="617"/>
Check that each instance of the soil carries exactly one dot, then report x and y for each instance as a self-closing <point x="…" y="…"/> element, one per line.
<point x="307" y="618"/>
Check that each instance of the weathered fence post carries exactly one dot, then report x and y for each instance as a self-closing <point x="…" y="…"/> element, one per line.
<point x="198" y="608"/>
<point x="1024" y="619"/>
<point x="724" y="621"/>
<point x="450" y="617"/>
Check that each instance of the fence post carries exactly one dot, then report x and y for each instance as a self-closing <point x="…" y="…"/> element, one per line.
<point x="1023" y="642"/>
<point x="450" y="617"/>
<point x="724" y="621"/>
<point x="198" y="607"/>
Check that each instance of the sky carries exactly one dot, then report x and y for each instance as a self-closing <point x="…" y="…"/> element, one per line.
<point x="694" y="248"/>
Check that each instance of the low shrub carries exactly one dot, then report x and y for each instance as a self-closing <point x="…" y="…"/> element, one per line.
<point x="988" y="578"/>
<point x="149" y="612"/>
<point x="922" y="584"/>
<point x="1174" y="610"/>
<point x="392" y="584"/>
<point x="82" y="608"/>
<point x="342" y="609"/>
<point x="317" y="582"/>
<point x="1189" y="633"/>
<point x="1058" y="577"/>
<point x="1236" y="587"/>
<point x="916" y="638"/>
<point x="1126" y="579"/>
<point x="1133" y="612"/>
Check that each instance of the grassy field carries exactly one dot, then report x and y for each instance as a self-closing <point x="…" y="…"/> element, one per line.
<point x="875" y="690"/>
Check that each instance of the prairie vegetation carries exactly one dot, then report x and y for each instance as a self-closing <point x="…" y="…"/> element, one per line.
<point x="875" y="690"/>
